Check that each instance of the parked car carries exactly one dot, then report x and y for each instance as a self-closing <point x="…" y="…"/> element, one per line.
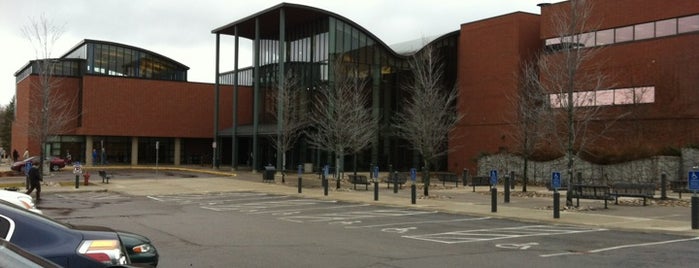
<point x="57" y="163"/>
<point x="19" y="199"/>
<point x="14" y="256"/>
<point x="66" y="245"/>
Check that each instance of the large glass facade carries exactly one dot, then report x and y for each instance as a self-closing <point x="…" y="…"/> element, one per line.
<point x="312" y="48"/>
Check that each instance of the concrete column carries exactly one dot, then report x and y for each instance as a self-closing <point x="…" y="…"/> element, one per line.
<point x="178" y="149"/>
<point x="134" y="151"/>
<point x="88" y="151"/>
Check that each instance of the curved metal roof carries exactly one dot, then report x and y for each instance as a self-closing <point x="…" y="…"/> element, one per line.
<point x="86" y="41"/>
<point x="295" y="15"/>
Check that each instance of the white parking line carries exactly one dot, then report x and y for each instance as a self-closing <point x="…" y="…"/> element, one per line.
<point x="619" y="247"/>
<point x="296" y="211"/>
<point x="500" y="233"/>
<point x="418" y="222"/>
<point x="354" y="215"/>
<point x="193" y="197"/>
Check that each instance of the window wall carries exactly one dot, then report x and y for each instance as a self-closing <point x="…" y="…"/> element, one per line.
<point x="117" y="60"/>
<point x="641" y="31"/>
<point x="618" y="96"/>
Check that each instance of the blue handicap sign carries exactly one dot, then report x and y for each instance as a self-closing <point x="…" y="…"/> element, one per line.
<point x="556" y="180"/>
<point x="493" y="177"/>
<point x="413" y="174"/>
<point x="693" y="180"/>
<point x="376" y="172"/>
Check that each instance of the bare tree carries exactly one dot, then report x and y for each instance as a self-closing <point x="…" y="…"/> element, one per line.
<point x="532" y="110"/>
<point x="428" y="112"/>
<point x="341" y="121"/>
<point x="54" y="112"/>
<point x="293" y="117"/>
<point x="571" y="77"/>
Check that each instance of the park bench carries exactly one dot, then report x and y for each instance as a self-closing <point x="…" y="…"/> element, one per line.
<point x="359" y="179"/>
<point x="679" y="187"/>
<point x="400" y="178"/>
<point x="105" y="176"/>
<point x="582" y="191"/>
<point x="479" y="181"/>
<point x="641" y="190"/>
<point x="448" y="177"/>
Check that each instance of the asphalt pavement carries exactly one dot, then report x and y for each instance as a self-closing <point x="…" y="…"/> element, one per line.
<point x="672" y="216"/>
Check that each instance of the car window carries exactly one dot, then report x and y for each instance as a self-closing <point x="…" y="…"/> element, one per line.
<point x="6" y="226"/>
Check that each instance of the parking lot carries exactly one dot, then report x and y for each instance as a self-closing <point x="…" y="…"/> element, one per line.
<point x="190" y="223"/>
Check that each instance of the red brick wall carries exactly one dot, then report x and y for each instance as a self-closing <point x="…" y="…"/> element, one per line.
<point x="490" y="52"/>
<point x="119" y="106"/>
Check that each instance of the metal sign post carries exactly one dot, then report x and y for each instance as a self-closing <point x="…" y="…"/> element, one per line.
<point x="157" y="148"/>
<point x="693" y="185"/>
<point x="555" y="184"/>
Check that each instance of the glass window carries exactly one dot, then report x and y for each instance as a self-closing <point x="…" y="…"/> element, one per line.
<point x="605" y="37"/>
<point x="584" y="98"/>
<point x="553" y="41"/>
<point x="605" y="97"/>
<point x="587" y="39"/>
<point x="623" y="34"/>
<point x="644" y="94"/>
<point x="623" y="96"/>
<point x="557" y="100"/>
<point x="644" y="31"/>
<point x="688" y="24"/>
<point x="666" y="27"/>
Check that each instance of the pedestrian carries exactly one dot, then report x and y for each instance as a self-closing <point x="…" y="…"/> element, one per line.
<point x="69" y="158"/>
<point x="26" y="153"/>
<point x="35" y="180"/>
<point x="15" y="155"/>
<point x="94" y="157"/>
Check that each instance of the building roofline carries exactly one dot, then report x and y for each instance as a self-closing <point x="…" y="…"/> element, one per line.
<point x="85" y="41"/>
<point x="228" y="29"/>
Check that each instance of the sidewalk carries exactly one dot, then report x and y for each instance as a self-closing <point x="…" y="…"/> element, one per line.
<point x="533" y="206"/>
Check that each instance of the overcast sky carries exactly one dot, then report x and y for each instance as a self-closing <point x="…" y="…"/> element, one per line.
<point x="181" y="30"/>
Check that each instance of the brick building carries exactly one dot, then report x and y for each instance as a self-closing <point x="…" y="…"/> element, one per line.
<point x="647" y="56"/>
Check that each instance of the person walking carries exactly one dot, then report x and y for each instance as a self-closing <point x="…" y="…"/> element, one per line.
<point x="94" y="157"/>
<point x="26" y="153"/>
<point x="35" y="180"/>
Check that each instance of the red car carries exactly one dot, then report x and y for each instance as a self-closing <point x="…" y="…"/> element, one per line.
<point x="57" y="163"/>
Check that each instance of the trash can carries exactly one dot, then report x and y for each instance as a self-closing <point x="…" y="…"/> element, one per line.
<point x="268" y="174"/>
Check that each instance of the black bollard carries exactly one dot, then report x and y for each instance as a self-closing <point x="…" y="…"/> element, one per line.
<point x="338" y="183"/>
<point x="512" y="183"/>
<point x="695" y="212"/>
<point x="663" y="187"/>
<point x="556" y="205"/>
<point x="299" y="184"/>
<point x="464" y="176"/>
<point x="376" y="190"/>
<point x="507" y="189"/>
<point x="493" y="199"/>
<point x="77" y="181"/>
<point x="395" y="182"/>
<point x="325" y="185"/>
<point x="413" y="194"/>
